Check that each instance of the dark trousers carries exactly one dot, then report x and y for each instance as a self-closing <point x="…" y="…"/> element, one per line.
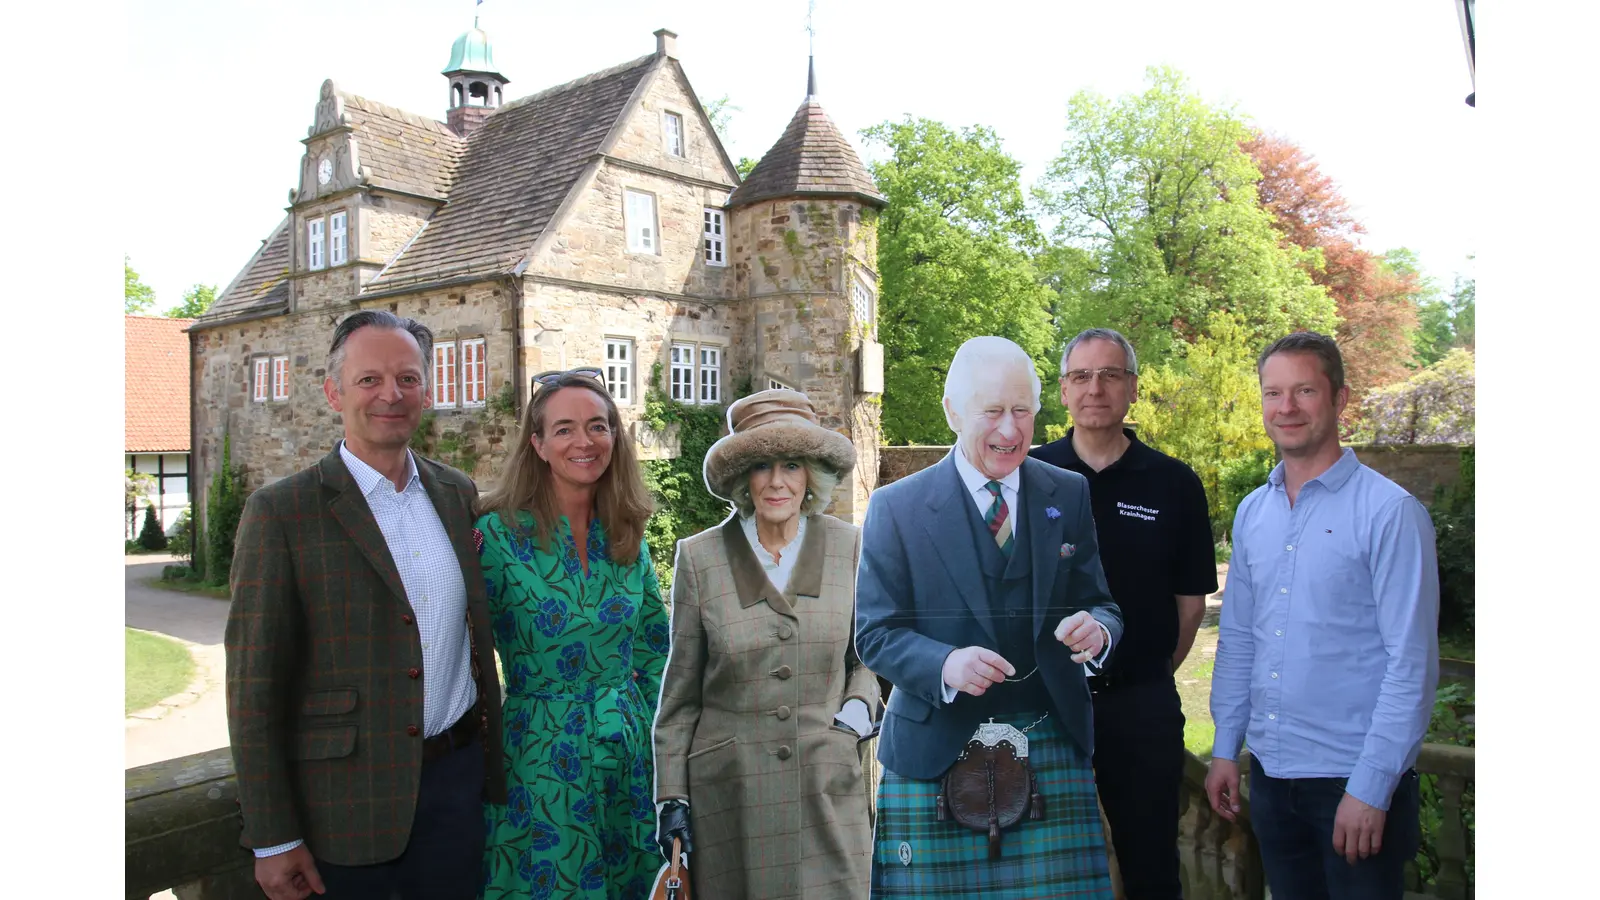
<point x="1293" y="822"/>
<point x="443" y="859"/>
<point x="1138" y="767"/>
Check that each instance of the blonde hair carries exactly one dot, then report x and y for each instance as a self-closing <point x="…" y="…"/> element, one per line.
<point x="622" y="501"/>
<point x="820" y="484"/>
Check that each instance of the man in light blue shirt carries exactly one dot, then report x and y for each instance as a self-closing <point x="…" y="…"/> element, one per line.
<point x="1328" y="652"/>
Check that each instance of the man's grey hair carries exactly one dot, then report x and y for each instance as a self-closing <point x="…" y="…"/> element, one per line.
<point x="820" y="484"/>
<point x="980" y="354"/>
<point x="379" y="318"/>
<point x="1131" y="359"/>
<point x="1324" y="348"/>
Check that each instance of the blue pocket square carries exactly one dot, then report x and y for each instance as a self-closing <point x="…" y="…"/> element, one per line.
<point x="1067" y="550"/>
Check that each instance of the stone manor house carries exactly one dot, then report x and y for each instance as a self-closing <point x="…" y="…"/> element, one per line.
<point x="598" y="222"/>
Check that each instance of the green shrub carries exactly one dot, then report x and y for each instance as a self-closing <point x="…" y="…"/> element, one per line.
<point x="176" y="573"/>
<point x="181" y="543"/>
<point x="1446" y="727"/>
<point x="151" y="537"/>
<point x="1453" y="525"/>
<point x="224" y="507"/>
<point x="1236" y="478"/>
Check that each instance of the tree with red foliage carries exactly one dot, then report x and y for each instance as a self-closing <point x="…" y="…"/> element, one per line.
<point x="1376" y="301"/>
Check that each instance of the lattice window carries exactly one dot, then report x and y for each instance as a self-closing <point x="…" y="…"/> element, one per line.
<point x="260" y="383"/>
<point x="714" y="239"/>
<point x="682" y="374"/>
<point x="474" y="373"/>
<point x="672" y="132"/>
<point x="710" y="375"/>
<point x="280" y="378"/>
<point x="314" y="244"/>
<point x="619" y="369"/>
<point x="639" y="210"/>
<point x="338" y="239"/>
<point x="444" y="375"/>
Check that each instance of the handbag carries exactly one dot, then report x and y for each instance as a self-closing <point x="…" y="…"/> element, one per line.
<point x="672" y="882"/>
<point x="990" y="786"/>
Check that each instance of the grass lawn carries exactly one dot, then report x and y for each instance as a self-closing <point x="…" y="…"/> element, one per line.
<point x="1452" y="647"/>
<point x="1194" y="688"/>
<point x="190" y="587"/>
<point x="157" y="668"/>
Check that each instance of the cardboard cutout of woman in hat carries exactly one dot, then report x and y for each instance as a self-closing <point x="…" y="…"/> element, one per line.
<point x="764" y="700"/>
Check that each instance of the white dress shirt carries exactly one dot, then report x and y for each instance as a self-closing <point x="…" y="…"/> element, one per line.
<point x="977" y="485"/>
<point x="431" y="574"/>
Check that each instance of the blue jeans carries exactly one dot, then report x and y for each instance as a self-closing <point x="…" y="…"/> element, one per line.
<point x="1293" y="822"/>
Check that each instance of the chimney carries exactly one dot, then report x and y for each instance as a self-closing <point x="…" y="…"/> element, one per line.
<point x="666" y="44"/>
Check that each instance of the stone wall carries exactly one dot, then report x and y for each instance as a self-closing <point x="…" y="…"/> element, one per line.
<point x="384" y="226"/>
<point x="277" y="438"/>
<point x="642" y="139"/>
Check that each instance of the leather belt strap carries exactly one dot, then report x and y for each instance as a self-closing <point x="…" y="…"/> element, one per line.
<point x="451" y="739"/>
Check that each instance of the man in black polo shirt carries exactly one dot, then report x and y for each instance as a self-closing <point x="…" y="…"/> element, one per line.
<point x="1156" y="547"/>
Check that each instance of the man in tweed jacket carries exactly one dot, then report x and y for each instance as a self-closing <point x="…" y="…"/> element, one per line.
<point x="363" y="709"/>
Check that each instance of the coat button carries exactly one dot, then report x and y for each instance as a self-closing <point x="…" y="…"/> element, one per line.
<point x="413" y="730"/>
<point x="783" y="713"/>
<point x="785" y="632"/>
<point x="406" y="619"/>
<point x="783" y="672"/>
<point x="784" y="752"/>
<point x="414" y="672"/>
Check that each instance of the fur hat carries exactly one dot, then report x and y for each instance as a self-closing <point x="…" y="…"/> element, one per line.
<point x="776" y="424"/>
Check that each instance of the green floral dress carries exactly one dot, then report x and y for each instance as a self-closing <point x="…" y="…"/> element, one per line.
<point x="582" y="659"/>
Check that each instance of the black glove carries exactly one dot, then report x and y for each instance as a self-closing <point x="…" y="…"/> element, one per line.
<point x="673" y="823"/>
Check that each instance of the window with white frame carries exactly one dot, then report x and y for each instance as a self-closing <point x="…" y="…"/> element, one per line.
<point x="314" y="244"/>
<point x="260" y="382"/>
<point x="710" y="374"/>
<point x="774" y="384"/>
<point x="715" y="240"/>
<point x="474" y="374"/>
<point x="672" y="131"/>
<point x="861" y="298"/>
<point x="639" y="213"/>
<point x="280" y="378"/>
<point x="338" y="239"/>
<point x="445" y="374"/>
<point x="619" y="369"/>
<point x="681" y="385"/>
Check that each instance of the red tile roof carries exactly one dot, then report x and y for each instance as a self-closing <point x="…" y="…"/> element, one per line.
<point x="156" y="415"/>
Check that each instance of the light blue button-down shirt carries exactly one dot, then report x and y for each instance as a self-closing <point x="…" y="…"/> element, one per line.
<point x="1328" y="651"/>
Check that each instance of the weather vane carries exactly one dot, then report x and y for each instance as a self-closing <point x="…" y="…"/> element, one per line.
<point x="811" y="9"/>
<point x="811" y="65"/>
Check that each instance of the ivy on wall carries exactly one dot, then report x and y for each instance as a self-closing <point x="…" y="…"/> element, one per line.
<point x="457" y="448"/>
<point x="683" y="505"/>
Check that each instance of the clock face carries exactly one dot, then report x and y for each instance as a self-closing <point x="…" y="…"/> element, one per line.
<point x="325" y="171"/>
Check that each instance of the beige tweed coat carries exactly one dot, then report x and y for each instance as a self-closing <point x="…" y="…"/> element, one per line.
<point x="745" y="731"/>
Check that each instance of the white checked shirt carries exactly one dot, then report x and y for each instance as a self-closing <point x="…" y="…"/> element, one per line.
<point x="434" y="587"/>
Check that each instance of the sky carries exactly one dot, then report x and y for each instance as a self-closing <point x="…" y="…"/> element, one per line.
<point x="218" y="95"/>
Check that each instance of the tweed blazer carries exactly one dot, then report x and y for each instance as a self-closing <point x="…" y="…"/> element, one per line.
<point x="320" y="638"/>
<point x="920" y="596"/>
<point x="745" y="732"/>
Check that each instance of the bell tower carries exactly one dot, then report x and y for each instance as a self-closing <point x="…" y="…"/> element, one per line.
<point x="476" y="85"/>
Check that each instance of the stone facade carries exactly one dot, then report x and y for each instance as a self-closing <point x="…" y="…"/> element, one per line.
<point x="779" y="307"/>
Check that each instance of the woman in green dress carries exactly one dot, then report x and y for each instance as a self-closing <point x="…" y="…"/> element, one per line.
<point x="582" y="637"/>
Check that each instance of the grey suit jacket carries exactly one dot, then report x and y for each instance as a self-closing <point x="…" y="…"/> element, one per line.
<point x="920" y="595"/>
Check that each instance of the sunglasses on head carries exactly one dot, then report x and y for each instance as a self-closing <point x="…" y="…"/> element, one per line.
<point x="548" y="378"/>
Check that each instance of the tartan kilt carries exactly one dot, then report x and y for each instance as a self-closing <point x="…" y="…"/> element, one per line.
<point x="1062" y="855"/>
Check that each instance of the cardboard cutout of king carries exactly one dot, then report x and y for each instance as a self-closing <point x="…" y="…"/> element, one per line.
<point x="980" y="597"/>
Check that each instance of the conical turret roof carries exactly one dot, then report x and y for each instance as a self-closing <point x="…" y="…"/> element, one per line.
<point x="811" y="159"/>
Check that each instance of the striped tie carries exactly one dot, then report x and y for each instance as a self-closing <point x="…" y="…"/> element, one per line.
<point x="999" y="519"/>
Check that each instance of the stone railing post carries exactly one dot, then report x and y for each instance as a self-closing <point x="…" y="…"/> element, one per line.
<point x="182" y="830"/>
<point x="1455" y="767"/>
<point x="1218" y="859"/>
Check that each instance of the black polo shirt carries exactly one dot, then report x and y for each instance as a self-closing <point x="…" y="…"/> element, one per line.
<point x="1155" y="542"/>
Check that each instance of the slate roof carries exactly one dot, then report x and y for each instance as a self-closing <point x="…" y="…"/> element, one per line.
<point x="811" y="158"/>
<point x="263" y="286"/>
<point x="403" y="151"/>
<point x="515" y="170"/>
<point x="156" y="393"/>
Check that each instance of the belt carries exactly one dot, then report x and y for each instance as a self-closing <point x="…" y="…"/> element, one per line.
<point x="1112" y="681"/>
<point x="453" y="738"/>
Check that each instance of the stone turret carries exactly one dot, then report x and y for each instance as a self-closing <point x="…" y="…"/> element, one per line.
<point x="805" y="250"/>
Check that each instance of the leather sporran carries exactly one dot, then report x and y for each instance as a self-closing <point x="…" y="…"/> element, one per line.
<point x="672" y="882"/>
<point x="990" y="787"/>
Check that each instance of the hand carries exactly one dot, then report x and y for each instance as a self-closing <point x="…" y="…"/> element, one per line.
<point x="1222" y="787"/>
<point x="1082" y="635"/>
<point x="673" y="822"/>
<point x="1357" y="829"/>
<point x="973" y="670"/>
<point x="855" y="717"/>
<point x="291" y="875"/>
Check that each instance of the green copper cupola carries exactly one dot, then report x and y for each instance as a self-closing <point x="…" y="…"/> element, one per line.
<point x="476" y="85"/>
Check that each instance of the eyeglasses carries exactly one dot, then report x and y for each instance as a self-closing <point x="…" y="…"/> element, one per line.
<point x="1109" y="375"/>
<point x="544" y="379"/>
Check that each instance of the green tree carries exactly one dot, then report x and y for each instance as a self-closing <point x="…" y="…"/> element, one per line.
<point x="196" y="301"/>
<point x="955" y="260"/>
<point x="137" y="296"/>
<point x="720" y="111"/>
<point x="746" y="165"/>
<point x="1157" y="194"/>
<point x="151" y="536"/>
<point x="1444" y="321"/>
<point x="224" y="507"/>
<point x="1203" y="406"/>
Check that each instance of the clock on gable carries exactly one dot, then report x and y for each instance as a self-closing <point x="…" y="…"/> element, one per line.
<point x="325" y="171"/>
